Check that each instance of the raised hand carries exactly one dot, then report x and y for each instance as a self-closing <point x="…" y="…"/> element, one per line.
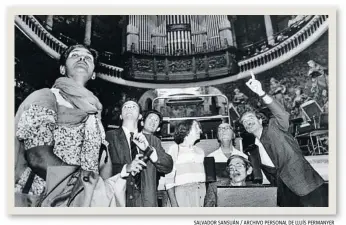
<point x="255" y="85"/>
<point x="141" y="141"/>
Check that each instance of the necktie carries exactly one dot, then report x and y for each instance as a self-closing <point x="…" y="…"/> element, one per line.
<point x="133" y="147"/>
<point x="137" y="177"/>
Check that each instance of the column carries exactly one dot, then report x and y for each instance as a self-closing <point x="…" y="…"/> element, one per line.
<point x="233" y="34"/>
<point x="49" y="23"/>
<point x="269" y="29"/>
<point x="87" y="35"/>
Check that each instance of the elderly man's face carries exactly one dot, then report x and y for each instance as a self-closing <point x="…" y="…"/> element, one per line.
<point x="80" y="64"/>
<point x="237" y="170"/>
<point x="130" y="111"/>
<point x="224" y="132"/>
<point x="251" y="123"/>
<point x="151" y="123"/>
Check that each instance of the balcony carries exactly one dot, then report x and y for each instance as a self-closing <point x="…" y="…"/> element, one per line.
<point x="202" y="68"/>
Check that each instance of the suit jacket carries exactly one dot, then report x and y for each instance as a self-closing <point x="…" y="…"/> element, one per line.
<point x="119" y="152"/>
<point x="284" y="151"/>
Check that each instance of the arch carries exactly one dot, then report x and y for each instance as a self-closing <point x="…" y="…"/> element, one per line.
<point x="148" y="104"/>
<point x="145" y="101"/>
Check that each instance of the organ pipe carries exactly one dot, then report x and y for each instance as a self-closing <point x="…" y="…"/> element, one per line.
<point x="176" y="34"/>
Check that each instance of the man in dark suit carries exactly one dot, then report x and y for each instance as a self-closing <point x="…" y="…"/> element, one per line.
<point x="281" y="158"/>
<point x="141" y="179"/>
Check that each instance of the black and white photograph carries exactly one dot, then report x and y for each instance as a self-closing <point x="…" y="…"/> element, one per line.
<point x="174" y="110"/>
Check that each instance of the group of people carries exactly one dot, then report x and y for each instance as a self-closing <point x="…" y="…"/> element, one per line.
<point x="63" y="156"/>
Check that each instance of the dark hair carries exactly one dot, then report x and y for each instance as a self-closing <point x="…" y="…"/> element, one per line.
<point x="65" y="54"/>
<point x="249" y="112"/>
<point x="245" y="160"/>
<point x="153" y="111"/>
<point x="182" y="130"/>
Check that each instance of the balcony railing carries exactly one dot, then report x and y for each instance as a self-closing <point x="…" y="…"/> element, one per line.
<point x="51" y="45"/>
<point x="261" y="62"/>
<point x="315" y="28"/>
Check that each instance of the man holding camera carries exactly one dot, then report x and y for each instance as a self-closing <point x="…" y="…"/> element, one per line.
<point x="137" y="157"/>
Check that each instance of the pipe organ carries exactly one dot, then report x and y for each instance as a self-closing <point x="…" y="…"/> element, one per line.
<point x="178" y="34"/>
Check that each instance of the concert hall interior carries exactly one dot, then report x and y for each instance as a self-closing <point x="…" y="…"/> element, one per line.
<point x="192" y="67"/>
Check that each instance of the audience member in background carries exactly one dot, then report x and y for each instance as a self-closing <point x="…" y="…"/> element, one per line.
<point x="299" y="99"/>
<point x="318" y="72"/>
<point x="277" y="90"/>
<point x="282" y="160"/>
<point x="325" y="100"/>
<point x="315" y="90"/>
<point x="185" y="185"/>
<point x="238" y="168"/>
<point x="239" y="97"/>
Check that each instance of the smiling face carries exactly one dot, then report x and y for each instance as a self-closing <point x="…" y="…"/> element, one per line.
<point x="151" y="123"/>
<point x="238" y="171"/>
<point x="251" y="123"/>
<point x="130" y="111"/>
<point x="79" y="65"/>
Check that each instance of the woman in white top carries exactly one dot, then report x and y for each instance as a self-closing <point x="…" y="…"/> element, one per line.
<point x="185" y="185"/>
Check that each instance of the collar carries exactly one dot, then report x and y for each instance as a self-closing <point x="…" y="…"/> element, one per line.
<point x="127" y="131"/>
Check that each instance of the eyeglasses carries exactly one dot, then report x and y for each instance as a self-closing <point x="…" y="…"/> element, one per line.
<point x="236" y="166"/>
<point x="224" y="128"/>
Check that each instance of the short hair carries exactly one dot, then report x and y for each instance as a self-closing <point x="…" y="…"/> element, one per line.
<point x="245" y="160"/>
<point x="65" y="54"/>
<point x="245" y="113"/>
<point x="182" y="130"/>
<point x="259" y="115"/>
<point x="153" y="111"/>
<point x="217" y="135"/>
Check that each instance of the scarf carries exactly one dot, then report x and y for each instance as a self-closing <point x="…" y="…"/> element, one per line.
<point x="83" y="100"/>
<point x="87" y="110"/>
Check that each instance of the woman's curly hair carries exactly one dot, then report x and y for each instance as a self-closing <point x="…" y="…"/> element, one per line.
<point x="182" y="130"/>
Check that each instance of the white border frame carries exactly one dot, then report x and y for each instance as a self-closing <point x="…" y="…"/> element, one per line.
<point x="169" y="9"/>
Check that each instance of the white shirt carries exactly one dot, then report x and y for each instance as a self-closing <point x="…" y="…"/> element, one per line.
<point x="219" y="156"/>
<point x="128" y="136"/>
<point x="265" y="159"/>
<point x="187" y="167"/>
